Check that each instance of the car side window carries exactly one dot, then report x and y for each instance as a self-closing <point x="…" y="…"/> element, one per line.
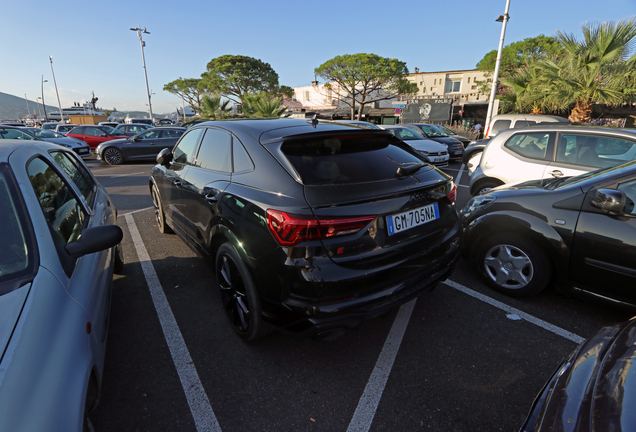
<point x="172" y="134"/>
<point x="242" y="161"/>
<point x="594" y="150"/>
<point x="531" y="145"/>
<point x="215" y="152"/>
<point x="499" y="125"/>
<point x="152" y="134"/>
<point x="77" y="173"/>
<point x="14" y="134"/>
<point x="183" y="152"/>
<point x="630" y="192"/>
<point x="60" y="206"/>
<point x="93" y="132"/>
<point x="79" y="130"/>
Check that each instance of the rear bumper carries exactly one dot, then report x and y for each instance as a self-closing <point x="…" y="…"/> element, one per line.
<point x="371" y="292"/>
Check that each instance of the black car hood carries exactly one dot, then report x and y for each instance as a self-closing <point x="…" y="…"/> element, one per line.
<point x="594" y="389"/>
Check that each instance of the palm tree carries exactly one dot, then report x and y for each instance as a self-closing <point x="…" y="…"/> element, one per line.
<point x="212" y="108"/>
<point x="598" y="69"/>
<point x="523" y="91"/>
<point x="264" y="105"/>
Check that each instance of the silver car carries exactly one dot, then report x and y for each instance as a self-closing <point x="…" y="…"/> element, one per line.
<point x="549" y="151"/>
<point x="78" y="146"/>
<point x="434" y="152"/>
<point x="59" y="251"/>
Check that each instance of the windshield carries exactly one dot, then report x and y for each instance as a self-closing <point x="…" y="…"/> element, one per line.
<point x="109" y="130"/>
<point x="432" y="131"/>
<point x="440" y="130"/>
<point x="41" y="133"/>
<point x="16" y="259"/>
<point x="407" y="134"/>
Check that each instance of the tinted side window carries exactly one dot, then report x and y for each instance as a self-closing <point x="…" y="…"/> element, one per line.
<point x="183" y="152"/>
<point x="60" y="206"/>
<point x="151" y="134"/>
<point x="93" y="132"/>
<point x="172" y="134"/>
<point x="216" y="151"/>
<point x="14" y="134"/>
<point x="630" y="191"/>
<point x="499" y="125"/>
<point x="77" y="173"/>
<point x="532" y="145"/>
<point x="79" y="130"/>
<point x="242" y="161"/>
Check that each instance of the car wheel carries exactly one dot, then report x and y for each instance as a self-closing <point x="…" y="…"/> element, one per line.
<point x="513" y="265"/>
<point x="113" y="156"/>
<point x="160" y="216"/>
<point x="485" y="187"/>
<point x="238" y="294"/>
<point x="118" y="268"/>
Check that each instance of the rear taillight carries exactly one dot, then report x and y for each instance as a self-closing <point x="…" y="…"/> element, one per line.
<point x="452" y="195"/>
<point x="290" y="229"/>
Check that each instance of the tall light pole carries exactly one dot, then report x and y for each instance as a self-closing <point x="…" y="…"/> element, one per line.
<point x="46" y="117"/>
<point x="495" y="80"/>
<point x="59" y="105"/>
<point x="39" y="110"/>
<point x="139" y="31"/>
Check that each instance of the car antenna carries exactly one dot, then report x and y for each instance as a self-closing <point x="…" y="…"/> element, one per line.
<point x="314" y="121"/>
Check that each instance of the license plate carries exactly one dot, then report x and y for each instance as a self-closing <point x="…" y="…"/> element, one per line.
<point x="403" y="221"/>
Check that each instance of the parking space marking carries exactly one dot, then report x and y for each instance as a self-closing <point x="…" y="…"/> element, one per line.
<point x="200" y="407"/>
<point x="134" y="211"/>
<point x="524" y="316"/>
<point x="125" y="175"/>
<point x="368" y="404"/>
<point x="459" y="175"/>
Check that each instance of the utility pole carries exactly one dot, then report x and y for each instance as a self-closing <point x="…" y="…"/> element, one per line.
<point x="139" y="31"/>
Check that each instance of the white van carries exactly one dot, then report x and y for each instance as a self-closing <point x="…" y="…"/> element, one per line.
<point x="140" y="121"/>
<point x="514" y="121"/>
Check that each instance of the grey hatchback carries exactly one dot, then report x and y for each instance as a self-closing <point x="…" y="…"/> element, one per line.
<point x="59" y="251"/>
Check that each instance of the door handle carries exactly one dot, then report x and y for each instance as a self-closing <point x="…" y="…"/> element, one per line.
<point x="176" y="182"/>
<point x="556" y="173"/>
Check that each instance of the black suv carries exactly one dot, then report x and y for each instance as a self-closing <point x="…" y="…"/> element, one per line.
<point x="311" y="227"/>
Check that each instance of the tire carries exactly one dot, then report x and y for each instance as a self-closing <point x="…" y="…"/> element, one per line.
<point x="484" y="186"/>
<point x="238" y="294"/>
<point x="160" y="216"/>
<point x="513" y="265"/>
<point x="118" y="268"/>
<point x="113" y="156"/>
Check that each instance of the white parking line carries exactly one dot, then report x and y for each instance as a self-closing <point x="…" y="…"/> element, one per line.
<point x="204" y="418"/>
<point x="134" y="211"/>
<point x="504" y="307"/>
<point x="370" y="399"/>
<point x="368" y="404"/>
<point x="459" y="176"/>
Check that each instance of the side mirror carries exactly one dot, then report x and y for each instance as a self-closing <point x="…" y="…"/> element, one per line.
<point x="103" y="135"/>
<point x="164" y="157"/>
<point x="611" y="200"/>
<point x="136" y="138"/>
<point x="95" y="240"/>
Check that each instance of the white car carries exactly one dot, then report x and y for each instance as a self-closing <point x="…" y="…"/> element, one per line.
<point x="547" y="152"/>
<point x="434" y="152"/>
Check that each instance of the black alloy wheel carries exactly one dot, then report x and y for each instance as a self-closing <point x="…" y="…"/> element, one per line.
<point x="238" y="294"/>
<point x="159" y="214"/>
<point x="513" y="265"/>
<point x="113" y="156"/>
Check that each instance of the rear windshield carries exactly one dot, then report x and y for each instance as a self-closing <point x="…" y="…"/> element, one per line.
<point x="346" y="159"/>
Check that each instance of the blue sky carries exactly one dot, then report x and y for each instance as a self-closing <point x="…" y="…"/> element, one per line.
<point x="94" y="50"/>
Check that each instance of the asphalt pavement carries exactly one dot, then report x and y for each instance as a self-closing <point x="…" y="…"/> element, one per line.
<point x="460" y="358"/>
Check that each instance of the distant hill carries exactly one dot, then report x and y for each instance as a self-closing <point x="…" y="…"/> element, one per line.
<point x="15" y="108"/>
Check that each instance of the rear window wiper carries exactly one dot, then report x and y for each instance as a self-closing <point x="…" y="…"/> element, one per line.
<point x="407" y="168"/>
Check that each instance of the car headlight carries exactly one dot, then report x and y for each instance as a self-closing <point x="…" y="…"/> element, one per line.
<point x="479" y="202"/>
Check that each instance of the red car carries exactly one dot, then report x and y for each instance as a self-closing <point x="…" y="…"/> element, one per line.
<point x="95" y="135"/>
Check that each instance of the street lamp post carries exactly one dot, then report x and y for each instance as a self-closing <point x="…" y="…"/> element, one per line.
<point x="58" y="95"/>
<point x="139" y="31"/>
<point x="46" y="117"/>
<point x="495" y="80"/>
<point x="39" y="110"/>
